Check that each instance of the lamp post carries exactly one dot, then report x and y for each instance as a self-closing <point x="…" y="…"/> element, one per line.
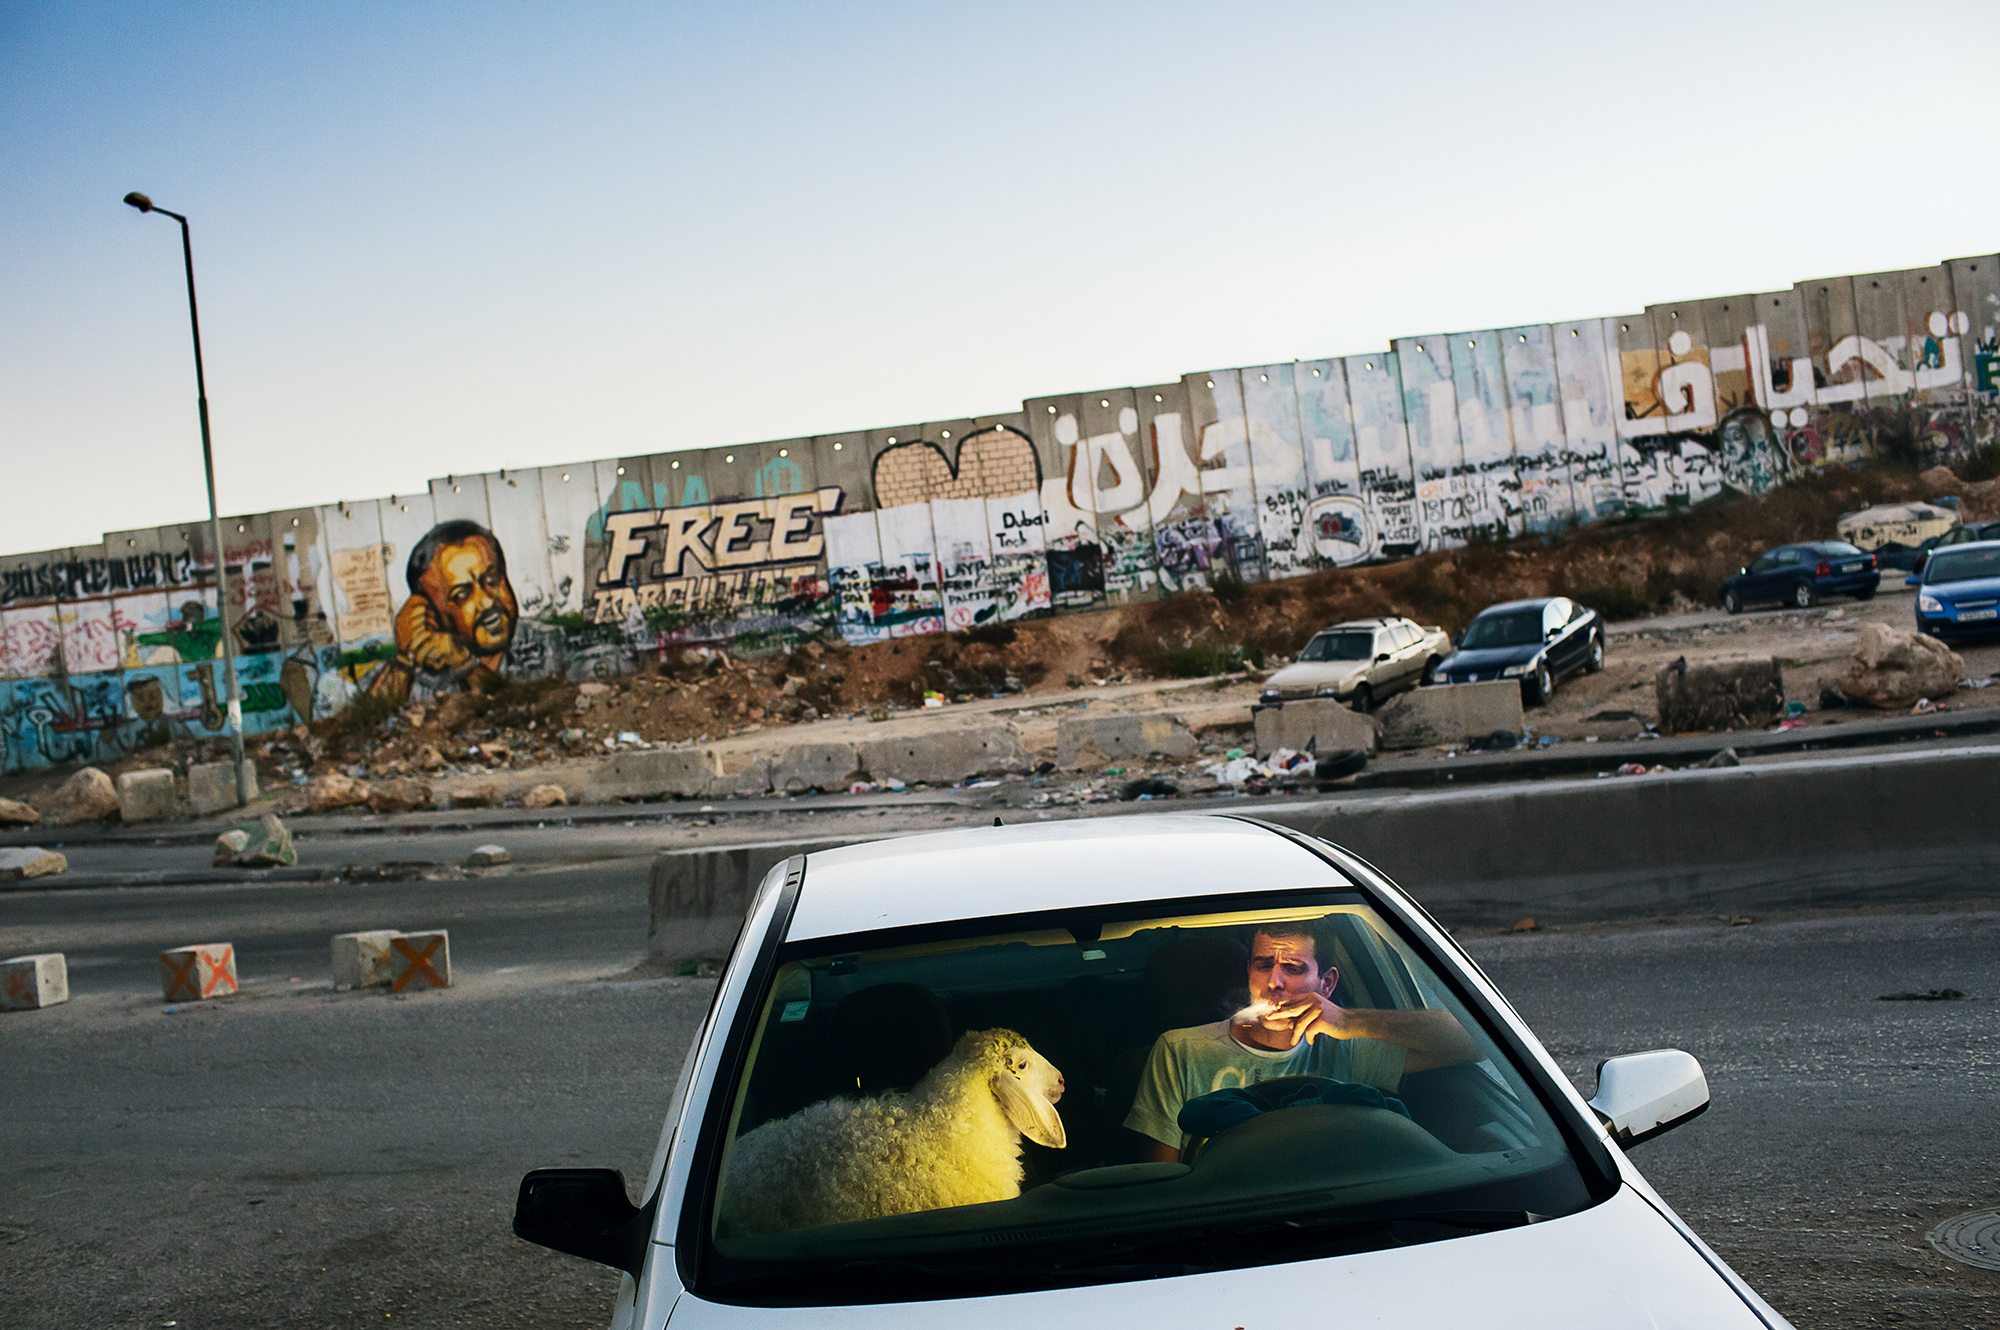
<point x="235" y="722"/>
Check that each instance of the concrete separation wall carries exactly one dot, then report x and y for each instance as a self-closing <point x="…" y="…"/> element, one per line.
<point x="1803" y="834"/>
<point x="1451" y="715"/>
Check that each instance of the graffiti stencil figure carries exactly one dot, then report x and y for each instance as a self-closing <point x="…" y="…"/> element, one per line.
<point x="460" y="617"/>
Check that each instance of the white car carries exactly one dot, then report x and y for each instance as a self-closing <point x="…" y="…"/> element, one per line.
<point x="1360" y="662"/>
<point x="946" y="1080"/>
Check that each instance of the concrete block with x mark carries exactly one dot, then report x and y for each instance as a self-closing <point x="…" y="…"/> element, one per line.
<point x="420" y="960"/>
<point x="202" y="970"/>
<point x="29" y="983"/>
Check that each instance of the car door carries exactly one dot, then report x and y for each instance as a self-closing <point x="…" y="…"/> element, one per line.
<point x="1408" y="656"/>
<point x="1757" y="581"/>
<point x="1382" y="672"/>
<point x="1555" y="641"/>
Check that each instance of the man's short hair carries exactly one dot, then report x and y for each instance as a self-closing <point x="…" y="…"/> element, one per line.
<point x="455" y="532"/>
<point x="1318" y="931"/>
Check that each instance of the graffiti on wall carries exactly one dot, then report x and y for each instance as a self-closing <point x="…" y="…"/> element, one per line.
<point x="1077" y="501"/>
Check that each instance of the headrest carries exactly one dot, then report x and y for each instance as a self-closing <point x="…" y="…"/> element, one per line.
<point x="891" y="1034"/>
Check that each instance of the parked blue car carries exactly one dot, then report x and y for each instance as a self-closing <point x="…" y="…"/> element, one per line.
<point x="1801" y="574"/>
<point x="1958" y="593"/>
<point x="1535" y="641"/>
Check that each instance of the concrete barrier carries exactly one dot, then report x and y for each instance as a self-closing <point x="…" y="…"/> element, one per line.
<point x="654" y="773"/>
<point x="1450" y="714"/>
<point x="1802" y="834"/>
<point x="420" y="960"/>
<point x="362" y="960"/>
<point x="198" y="972"/>
<point x="1320" y="721"/>
<point x="212" y="786"/>
<point x="29" y="983"/>
<point x="945" y="757"/>
<point x="1128" y="736"/>
<point x="819" y="766"/>
<point x="147" y="796"/>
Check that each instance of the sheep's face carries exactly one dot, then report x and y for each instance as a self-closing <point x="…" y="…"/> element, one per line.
<point x="1028" y="1086"/>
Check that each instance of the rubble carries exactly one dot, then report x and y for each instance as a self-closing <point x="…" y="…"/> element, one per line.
<point x="545" y="796"/>
<point x="399" y="794"/>
<point x="487" y="856"/>
<point x="1892" y="668"/>
<point x="484" y="795"/>
<point x="264" y="844"/>
<point x="1724" y="694"/>
<point x="13" y="814"/>
<point x="87" y="796"/>
<point x="334" y="790"/>
<point x="20" y="862"/>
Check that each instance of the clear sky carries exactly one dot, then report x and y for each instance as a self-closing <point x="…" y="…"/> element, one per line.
<point x="450" y="237"/>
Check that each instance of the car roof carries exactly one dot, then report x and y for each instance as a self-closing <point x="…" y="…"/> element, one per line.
<point x="1032" y="867"/>
<point x="1972" y="545"/>
<point x="1504" y="606"/>
<point x="1361" y="623"/>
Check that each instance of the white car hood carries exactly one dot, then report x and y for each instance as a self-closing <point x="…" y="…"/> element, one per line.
<point x="1340" y="674"/>
<point x="1617" y="1265"/>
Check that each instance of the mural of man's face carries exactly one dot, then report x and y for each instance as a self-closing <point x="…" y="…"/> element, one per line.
<point x="149" y="701"/>
<point x="471" y="594"/>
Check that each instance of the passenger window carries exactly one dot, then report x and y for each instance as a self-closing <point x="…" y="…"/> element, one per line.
<point x="1787" y="557"/>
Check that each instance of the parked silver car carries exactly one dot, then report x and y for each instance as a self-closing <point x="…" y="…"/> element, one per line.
<point x="1360" y="662"/>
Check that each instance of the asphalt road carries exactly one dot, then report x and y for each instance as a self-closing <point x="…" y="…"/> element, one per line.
<point x="299" y="1157"/>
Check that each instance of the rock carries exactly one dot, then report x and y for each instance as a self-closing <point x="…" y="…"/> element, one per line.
<point x="17" y="814"/>
<point x="333" y="790"/>
<point x="20" y="862"/>
<point x="495" y="754"/>
<point x="264" y="844"/>
<point x="545" y="796"/>
<point x="1893" y="667"/>
<point x="429" y="758"/>
<point x="1940" y="480"/>
<point x="1718" y="694"/>
<point x="86" y="796"/>
<point x="229" y="845"/>
<point x="486" y="856"/>
<point x="399" y="795"/>
<point x="476" y="796"/>
<point x="592" y="689"/>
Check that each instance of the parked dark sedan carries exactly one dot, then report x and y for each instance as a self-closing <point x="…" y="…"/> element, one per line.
<point x="1958" y="593"/>
<point x="1801" y="574"/>
<point x="1535" y="641"/>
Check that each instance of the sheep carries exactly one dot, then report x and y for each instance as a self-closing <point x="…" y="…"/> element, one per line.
<point x="955" y="1139"/>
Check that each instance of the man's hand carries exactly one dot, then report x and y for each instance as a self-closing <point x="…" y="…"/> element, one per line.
<point x="423" y="640"/>
<point x="1305" y="1019"/>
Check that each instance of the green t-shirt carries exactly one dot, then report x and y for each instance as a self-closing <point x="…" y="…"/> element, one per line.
<point x="1202" y="1058"/>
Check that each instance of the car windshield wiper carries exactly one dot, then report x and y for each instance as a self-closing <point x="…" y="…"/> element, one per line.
<point x="1223" y="1245"/>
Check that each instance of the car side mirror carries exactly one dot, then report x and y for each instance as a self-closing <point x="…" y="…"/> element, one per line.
<point x="1641" y="1095"/>
<point x="584" y="1212"/>
<point x="1913" y="580"/>
<point x="1381" y="656"/>
<point x="1552" y="634"/>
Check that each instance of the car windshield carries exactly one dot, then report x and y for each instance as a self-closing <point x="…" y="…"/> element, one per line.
<point x="1340" y="646"/>
<point x="1962" y="565"/>
<point x="1514" y="628"/>
<point x="868" y="1152"/>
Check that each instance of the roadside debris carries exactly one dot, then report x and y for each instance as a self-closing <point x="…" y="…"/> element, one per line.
<point x="487" y="856"/>
<point x="14" y="814"/>
<point x="264" y="844"/>
<point x="1893" y="668"/>
<point x="1928" y="995"/>
<point x="21" y="862"/>
<point x="87" y="796"/>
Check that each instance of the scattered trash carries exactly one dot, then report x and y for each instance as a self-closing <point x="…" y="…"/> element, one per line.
<point x="1632" y="769"/>
<point x="933" y="701"/>
<point x="1044" y="768"/>
<point x="1548" y="740"/>
<point x="1928" y="995"/>
<point x="1726" y="758"/>
<point x="980" y="784"/>
<point x="1795" y="709"/>
<point x="1114" y="771"/>
<point x="1924" y="707"/>
<point x="1525" y="926"/>
<point x="861" y="787"/>
<point x="1497" y="741"/>
<point x="1975" y="683"/>
<point x="1740" y="920"/>
<point x="630" y="737"/>
<point x="1149" y="788"/>
<point x="1233" y="754"/>
<point x="894" y="786"/>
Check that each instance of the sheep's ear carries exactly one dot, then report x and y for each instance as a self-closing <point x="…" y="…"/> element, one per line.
<point x="1031" y="1114"/>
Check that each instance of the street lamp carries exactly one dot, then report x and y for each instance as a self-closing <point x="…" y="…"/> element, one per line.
<point x="144" y="204"/>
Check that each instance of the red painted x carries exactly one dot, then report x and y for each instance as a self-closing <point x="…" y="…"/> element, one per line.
<point x="420" y="962"/>
<point x="183" y="975"/>
<point x="17" y="983"/>
<point x="218" y="971"/>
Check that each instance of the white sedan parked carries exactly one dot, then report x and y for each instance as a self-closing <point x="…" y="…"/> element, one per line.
<point x="1165" y="1071"/>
